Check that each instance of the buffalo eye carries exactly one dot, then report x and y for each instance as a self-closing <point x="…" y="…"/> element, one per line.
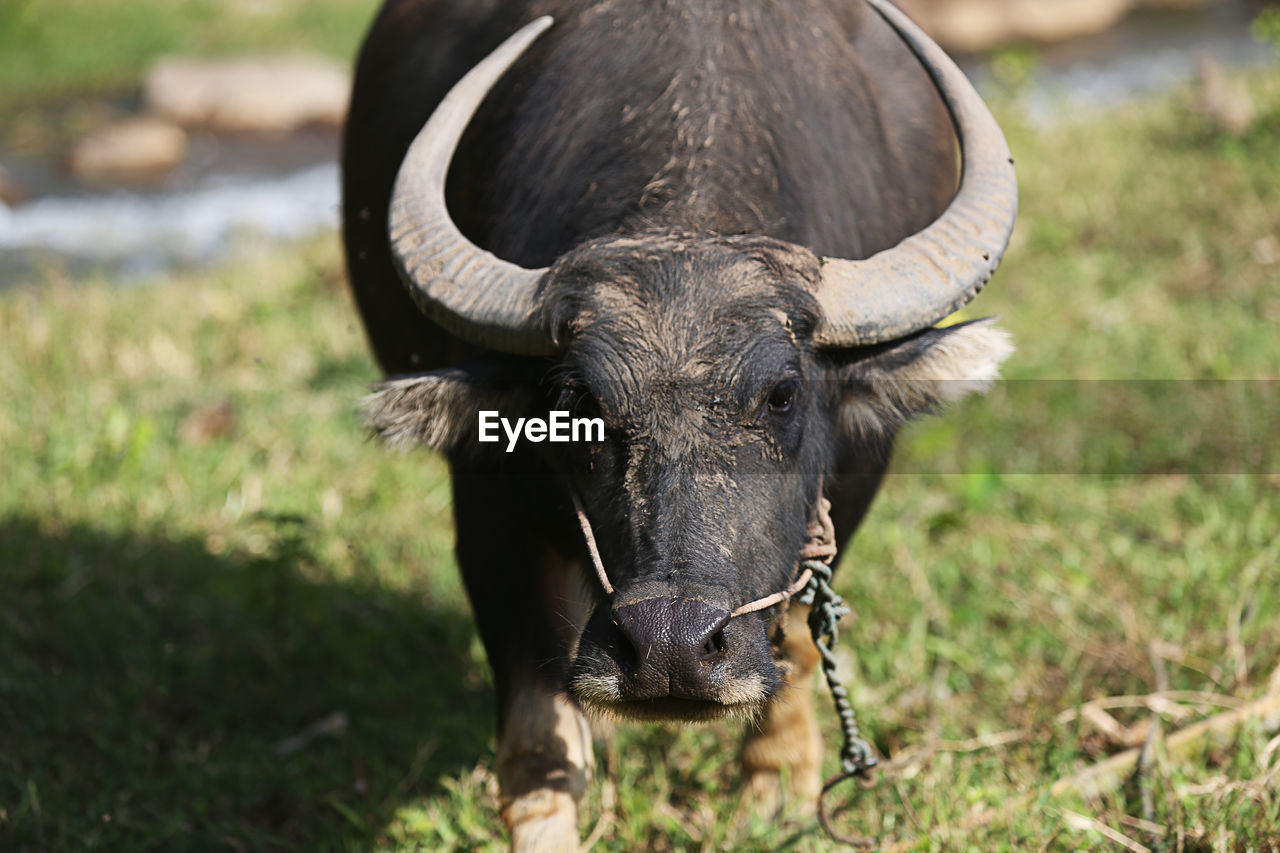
<point x="783" y="396"/>
<point x="586" y="406"/>
<point x="578" y="401"/>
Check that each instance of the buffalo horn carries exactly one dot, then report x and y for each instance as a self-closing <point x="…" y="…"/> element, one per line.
<point x="932" y="273"/>
<point x="468" y="291"/>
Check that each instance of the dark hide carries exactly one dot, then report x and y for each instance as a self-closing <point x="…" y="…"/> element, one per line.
<point x="669" y="160"/>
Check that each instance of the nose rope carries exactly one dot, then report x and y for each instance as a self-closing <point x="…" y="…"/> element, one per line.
<point x="777" y="598"/>
<point x="820" y="545"/>
<point x="585" y="524"/>
<point x="813" y="585"/>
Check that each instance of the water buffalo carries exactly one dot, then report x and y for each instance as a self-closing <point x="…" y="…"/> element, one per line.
<point x="724" y="228"/>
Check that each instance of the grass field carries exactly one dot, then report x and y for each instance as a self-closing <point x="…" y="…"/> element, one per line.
<point x="227" y="620"/>
<point x="71" y="48"/>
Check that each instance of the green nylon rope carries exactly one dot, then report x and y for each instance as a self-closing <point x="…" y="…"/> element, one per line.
<point x="856" y="756"/>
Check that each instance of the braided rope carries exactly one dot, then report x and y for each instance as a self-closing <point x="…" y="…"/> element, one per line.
<point x="856" y="755"/>
<point x="825" y="609"/>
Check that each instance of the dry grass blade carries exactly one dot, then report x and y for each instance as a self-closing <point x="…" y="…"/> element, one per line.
<point x="608" y="797"/>
<point x="596" y="834"/>
<point x="330" y="725"/>
<point x="915" y="755"/>
<point x="1075" y="820"/>
<point x="1170" y="703"/>
<point x="1141" y="825"/>
<point x="1108" y="775"/>
<point x="1111" y="728"/>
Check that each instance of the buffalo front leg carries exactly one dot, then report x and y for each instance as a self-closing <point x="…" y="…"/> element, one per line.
<point x="544" y="763"/>
<point x="529" y="604"/>
<point x="786" y="739"/>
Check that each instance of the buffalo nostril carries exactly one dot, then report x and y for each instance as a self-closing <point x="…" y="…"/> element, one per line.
<point x="667" y="633"/>
<point x="680" y="646"/>
<point x="714" y="646"/>
<point x="626" y="652"/>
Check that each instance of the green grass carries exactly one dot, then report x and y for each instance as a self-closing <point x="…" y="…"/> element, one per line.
<point x="174" y="606"/>
<point x="62" y="48"/>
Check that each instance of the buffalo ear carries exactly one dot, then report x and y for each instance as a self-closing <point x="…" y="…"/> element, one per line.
<point x="440" y="409"/>
<point x="904" y="379"/>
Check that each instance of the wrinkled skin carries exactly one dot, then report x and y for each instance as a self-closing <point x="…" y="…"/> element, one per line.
<point x="694" y="347"/>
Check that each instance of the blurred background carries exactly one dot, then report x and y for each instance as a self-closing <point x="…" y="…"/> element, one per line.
<point x="140" y="136"/>
<point x="227" y="620"/>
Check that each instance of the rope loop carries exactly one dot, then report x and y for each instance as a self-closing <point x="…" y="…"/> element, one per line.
<point x="857" y="758"/>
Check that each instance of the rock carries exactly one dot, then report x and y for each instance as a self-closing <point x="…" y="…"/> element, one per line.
<point x="1223" y="101"/>
<point x="11" y="192"/>
<point x="135" y="147"/>
<point x="977" y="25"/>
<point x="261" y="94"/>
<point x="205" y="424"/>
<point x="1174" y="5"/>
<point x="1266" y="250"/>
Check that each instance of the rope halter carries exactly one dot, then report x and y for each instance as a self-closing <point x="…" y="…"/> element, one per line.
<point x="813" y="585"/>
<point x="820" y="545"/>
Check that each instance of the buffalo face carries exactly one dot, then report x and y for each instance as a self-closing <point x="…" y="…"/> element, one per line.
<point x="695" y="355"/>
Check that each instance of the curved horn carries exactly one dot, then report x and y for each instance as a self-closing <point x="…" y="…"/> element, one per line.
<point x="932" y="273"/>
<point x="469" y="292"/>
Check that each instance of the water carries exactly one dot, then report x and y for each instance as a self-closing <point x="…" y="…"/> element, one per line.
<point x="1148" y="52"/>
<point x="234" y="191"/>
<point x="136" y="235"/>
